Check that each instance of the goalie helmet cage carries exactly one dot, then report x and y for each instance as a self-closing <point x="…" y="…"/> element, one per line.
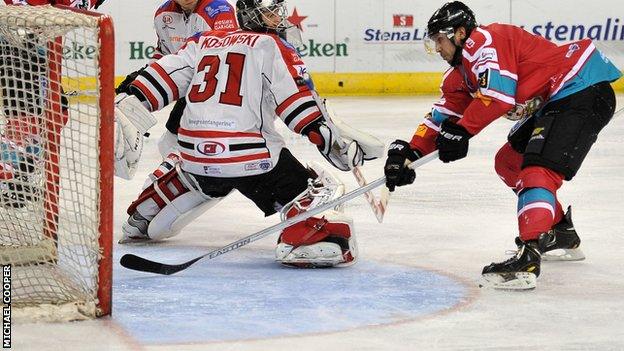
<point x="56" y="160"/>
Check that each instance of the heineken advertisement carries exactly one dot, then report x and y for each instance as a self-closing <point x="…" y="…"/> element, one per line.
<point x="140" y="50"/>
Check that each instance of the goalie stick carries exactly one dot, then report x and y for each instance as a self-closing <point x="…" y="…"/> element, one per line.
<point x="378" y="207"/>
<point x="375" y="205"/>
<point x="137" y="263"/>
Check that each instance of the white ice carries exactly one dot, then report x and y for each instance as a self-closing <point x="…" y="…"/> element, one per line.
<point x="415" y="287"/>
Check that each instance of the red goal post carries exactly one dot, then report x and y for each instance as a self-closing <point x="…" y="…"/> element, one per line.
<point x="56" y="160"/>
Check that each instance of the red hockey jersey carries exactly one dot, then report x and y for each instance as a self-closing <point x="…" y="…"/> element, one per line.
<point x="509" y="71"/>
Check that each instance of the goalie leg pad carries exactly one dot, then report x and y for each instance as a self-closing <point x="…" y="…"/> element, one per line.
<point x="319" y="242"/>
<point x="323" y="241"/>
<point x="169" y="204"/>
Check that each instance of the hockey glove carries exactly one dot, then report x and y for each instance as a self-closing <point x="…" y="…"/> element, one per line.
<point x="132" y="120"/>
<point x="342" y="154"/>
<point x="452" y="142"/>
<point x="124" y="86"/>
<point x="396" y="171"/>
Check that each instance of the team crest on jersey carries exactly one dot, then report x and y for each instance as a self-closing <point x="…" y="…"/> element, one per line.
<point x="484" y="79"/>
<point x="488" y="54"/>
<point x="167" y="19"/>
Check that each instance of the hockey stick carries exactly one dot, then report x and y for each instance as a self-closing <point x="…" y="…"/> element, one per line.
<point x="379" y="208"/>
<point x="373" y="202"/>
<point x="137" y="263"/>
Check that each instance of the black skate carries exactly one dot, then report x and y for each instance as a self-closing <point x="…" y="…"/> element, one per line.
<point x="561" y="243"/>
<point x="517" y="273"/>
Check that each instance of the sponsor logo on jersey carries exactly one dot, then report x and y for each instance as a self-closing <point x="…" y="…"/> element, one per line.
<point x="210" y="124"/>
<point x="304" y="76"/>
<point x="488" y="54"/>
<point x="213" y="170"/>
<point x="263" y="165"/>
<point x="571" y="49"/>
<point x="224" y="24"/>
<point x="537" y="134"/>
<point x="484" y="79"/>
<point x="421" y="130"/>
<point x="212" y="11"/>
<point x="210" y="148"/>
<point x="380" y="35"/>
<point x="470" y="43"/>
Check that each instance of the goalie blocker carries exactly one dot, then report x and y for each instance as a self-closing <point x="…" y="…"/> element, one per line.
<point x="175" y="198"/>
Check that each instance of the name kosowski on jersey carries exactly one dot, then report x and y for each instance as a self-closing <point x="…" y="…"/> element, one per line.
<point x="215" y="42"/>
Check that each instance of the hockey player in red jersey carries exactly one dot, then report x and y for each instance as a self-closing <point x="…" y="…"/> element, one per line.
<point x="561" y="98"/>
<point x="175" y="21"/>
<point x="236" y="84"/>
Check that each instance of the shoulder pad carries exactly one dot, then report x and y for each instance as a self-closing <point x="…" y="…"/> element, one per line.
<point x="479" y="39"/>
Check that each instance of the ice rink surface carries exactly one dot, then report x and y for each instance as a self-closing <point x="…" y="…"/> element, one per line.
<point x="415" y="285"/>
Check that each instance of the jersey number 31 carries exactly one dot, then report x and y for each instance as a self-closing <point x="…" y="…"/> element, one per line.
<point x="212" y="64"/>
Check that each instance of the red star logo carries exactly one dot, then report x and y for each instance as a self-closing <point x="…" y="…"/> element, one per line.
<point x="296" y="19"/>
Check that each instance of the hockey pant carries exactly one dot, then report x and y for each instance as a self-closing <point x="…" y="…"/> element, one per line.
<point x="534" y="164"/>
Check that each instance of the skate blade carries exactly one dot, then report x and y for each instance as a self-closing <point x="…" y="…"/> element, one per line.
<point x="519" y="281"/>
<point x="563" y="255"/>
<point x="135" y="241"/>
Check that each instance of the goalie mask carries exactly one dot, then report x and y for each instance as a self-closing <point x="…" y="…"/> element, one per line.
<point x="267" y="16"/>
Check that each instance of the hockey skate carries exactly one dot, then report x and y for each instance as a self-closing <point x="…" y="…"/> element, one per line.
<point x="517" y="273"/>
<point x="561" y="243"/>
<point x="135" y="230"/>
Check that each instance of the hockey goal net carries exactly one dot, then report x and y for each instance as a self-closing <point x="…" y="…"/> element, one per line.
<point x="56" y="167"/>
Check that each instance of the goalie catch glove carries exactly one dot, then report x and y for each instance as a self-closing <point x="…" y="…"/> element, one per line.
<point x="132" y="121"/>
<point x="342" y="154"/>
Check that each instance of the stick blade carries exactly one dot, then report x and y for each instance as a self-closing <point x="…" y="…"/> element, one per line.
<point x="141" y="264"/>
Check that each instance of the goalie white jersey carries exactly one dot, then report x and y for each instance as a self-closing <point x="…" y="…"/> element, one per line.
<point x="236" y="84"/>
